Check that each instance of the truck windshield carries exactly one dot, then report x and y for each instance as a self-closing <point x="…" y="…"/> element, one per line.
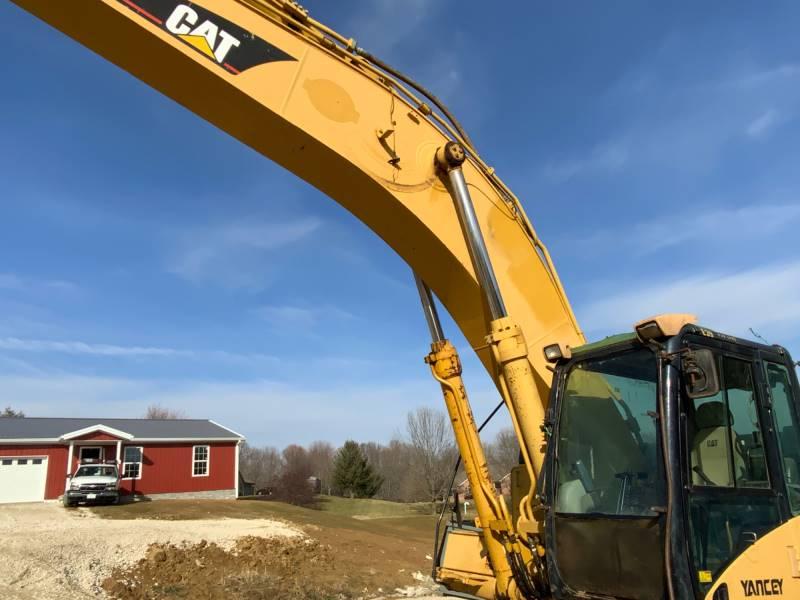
<point x="609" y="458"/>
<point x="96" y="471"/>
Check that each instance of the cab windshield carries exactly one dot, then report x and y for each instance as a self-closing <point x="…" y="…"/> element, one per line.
<point x="609" y="458"/>
<point x="96" y="471"/>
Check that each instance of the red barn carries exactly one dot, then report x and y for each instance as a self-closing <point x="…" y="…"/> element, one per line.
<point x="172" y="458"/>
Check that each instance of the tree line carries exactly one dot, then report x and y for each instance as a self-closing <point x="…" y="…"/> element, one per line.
<point x="416" y="466"/>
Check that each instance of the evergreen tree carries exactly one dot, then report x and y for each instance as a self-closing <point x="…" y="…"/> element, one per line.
<point x="352" y="475"/>
<point x="11" y="413"/>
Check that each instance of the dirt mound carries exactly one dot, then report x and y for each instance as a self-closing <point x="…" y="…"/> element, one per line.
<point x="255" y="568"/>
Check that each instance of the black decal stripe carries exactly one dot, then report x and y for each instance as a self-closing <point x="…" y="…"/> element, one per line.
<point x="251" y="51"/>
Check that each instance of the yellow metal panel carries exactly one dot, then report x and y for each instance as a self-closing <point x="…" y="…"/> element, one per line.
<point x="464" y="567"/>
<point x="770" y="567"/>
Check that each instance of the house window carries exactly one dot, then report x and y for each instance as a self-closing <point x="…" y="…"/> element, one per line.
<point x="200" y="461"/>
<point x="132" y="462"/>
<point x="7" y="461"/>
<point x="91" y="453"/>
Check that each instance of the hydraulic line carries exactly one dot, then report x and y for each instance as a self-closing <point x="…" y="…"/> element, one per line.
<point x="509" y="349"/>
<point x="453" y="483"/>
<point x="493" y="519"/>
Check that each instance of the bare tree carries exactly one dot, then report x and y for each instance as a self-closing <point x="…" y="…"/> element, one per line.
<point x="503" y="453"/>
<point x="158" y="412"/>
<point x="294" y="486"/>
<point x="392" y="462"/>
<point x="320" y="455"/>
<point x="431" y="438"/>
<point x="262" y="466"/>
<point x="10" y="413"/>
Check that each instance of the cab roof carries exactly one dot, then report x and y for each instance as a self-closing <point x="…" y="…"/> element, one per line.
<point x="611" y="340"/>
<point x="631" y="337"/>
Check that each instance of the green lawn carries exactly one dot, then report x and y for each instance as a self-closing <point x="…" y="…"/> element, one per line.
<point x="368" y="508"/>
<point x="378" y="516"/>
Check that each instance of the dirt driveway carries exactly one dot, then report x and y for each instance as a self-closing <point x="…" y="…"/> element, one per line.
<point x="49" y="552"/>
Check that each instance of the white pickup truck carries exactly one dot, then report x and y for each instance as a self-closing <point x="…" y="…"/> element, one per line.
<point x="93" y="482"/>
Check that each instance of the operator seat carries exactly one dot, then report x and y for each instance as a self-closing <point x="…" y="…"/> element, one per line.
<point x="711" y="447"/>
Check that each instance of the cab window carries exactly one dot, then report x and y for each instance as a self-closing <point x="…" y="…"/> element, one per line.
<point x="784" y="414"/>
<point x="727" y="446"/>
<point x="730" y="503"/>
<point x="608" y="448"/>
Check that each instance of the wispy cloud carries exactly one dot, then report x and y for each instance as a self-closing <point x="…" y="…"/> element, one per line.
<point x="14" y="344"/>
<point x="604" y="158"/>
<point x="705" y="227"/>
<point x="766" y="298"/>
<point x="760" y="126"/>
<point x="234" y="255"/>
<point x="14" y="282"/>
<point x="284" y="316"/>
<point x="10" y="343"/>
<point x="685" y="126"/>
<point x="12" y="365"/>
<point x="765" y="76"/>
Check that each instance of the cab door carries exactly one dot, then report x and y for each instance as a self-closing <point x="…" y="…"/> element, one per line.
<point x="783" y="423"/>
<point x="731" y="495"/>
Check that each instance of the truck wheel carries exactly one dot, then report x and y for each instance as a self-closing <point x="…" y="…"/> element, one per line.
<point x="67" y="504"/>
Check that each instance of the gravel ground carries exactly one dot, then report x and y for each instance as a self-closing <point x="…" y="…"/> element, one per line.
<point x="49" y="552"/>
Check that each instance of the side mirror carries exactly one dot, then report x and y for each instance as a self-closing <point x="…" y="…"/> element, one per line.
<point x="700" y="374"/>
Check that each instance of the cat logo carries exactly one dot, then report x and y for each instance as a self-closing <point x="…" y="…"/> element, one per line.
<point x="218" y="39"/>
<point x="206" y="36"/>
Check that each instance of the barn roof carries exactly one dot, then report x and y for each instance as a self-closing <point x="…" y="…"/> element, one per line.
<point x="59" y="429"/>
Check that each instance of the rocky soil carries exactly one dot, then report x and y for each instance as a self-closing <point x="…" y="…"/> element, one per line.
<point x="47" y="551"/>
<point x="50" y="552"/>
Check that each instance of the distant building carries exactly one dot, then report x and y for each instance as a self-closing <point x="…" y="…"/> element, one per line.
<point x="501" y="486"/>
<point x="156" y="458"/>
<point x="246" y="488"/>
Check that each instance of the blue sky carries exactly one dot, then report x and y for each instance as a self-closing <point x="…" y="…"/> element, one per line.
<point x="149" y="258"/>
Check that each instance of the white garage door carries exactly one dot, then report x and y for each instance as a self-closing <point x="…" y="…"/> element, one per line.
<point x="22" y="479"/>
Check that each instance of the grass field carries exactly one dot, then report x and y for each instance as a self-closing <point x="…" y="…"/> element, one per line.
<point x="393" y="519"/>
<point x="368" y="508"/>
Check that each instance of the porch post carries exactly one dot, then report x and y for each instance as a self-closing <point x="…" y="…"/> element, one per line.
<point x="119" y="452"/>
<point x="69" y="463"/>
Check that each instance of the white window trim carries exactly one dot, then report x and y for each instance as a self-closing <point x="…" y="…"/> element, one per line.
<point x="207" y="460"/>
<point x="140" y="463"/>
<point x="82" y="448"/>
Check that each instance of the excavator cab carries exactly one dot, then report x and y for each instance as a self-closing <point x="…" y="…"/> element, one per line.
<point x="669" y="457"/>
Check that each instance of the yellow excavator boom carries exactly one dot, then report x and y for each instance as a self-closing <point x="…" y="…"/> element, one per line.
<point x="387" y="150"/>
<point x="288" y="87"/>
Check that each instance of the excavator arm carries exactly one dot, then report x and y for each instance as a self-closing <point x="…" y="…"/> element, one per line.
<point x="388" y="151"/>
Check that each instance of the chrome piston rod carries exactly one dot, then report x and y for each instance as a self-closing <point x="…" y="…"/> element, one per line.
<point x="450" y="158"/>
<point x="429" y="309"/>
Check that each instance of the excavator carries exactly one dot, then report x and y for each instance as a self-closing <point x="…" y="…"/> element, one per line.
<point x="661" y="463"/>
